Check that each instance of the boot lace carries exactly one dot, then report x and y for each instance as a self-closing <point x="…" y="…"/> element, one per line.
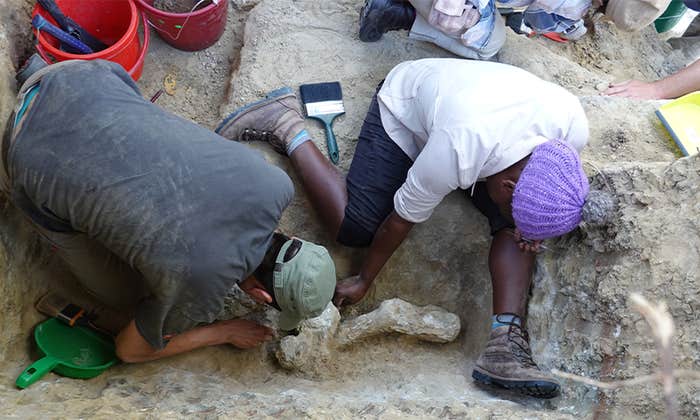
<point x="520" y="346"/>
<point x="251" y="134"/>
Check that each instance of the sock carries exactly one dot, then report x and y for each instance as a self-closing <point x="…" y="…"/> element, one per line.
<point x="500" y="320"/>
<point x="297" y="141"/>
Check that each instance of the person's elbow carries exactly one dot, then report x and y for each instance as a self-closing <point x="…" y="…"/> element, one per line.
<point x="131" y="347"/>
<point x="128" y="355"/>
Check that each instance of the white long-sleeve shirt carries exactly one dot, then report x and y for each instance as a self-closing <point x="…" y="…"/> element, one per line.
<point x="462" y="120"/>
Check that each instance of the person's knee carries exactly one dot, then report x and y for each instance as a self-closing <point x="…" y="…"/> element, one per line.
<point x="496" y="41"/>
<point x="351" y="234"/>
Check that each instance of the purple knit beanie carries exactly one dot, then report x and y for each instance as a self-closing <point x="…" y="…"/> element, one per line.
<point x="551" y="192"/>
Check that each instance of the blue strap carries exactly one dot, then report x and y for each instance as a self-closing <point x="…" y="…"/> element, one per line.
<point x="501" y="320"/>
<point x="31" y="93"/>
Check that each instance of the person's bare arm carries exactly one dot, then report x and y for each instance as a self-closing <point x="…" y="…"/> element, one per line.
<point x="434" y="174"/>
<point x="389" y="236"/>
<point x="133" y="348"/>
<point x="683" y="82"/>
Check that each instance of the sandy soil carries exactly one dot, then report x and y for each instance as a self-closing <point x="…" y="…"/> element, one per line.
<point x="579" y="318"/>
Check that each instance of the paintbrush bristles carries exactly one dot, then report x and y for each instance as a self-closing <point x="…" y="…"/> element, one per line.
<point x="321" y="92"/>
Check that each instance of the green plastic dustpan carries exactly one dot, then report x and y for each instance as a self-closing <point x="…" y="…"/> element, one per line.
<point x="75" y="352"/>
<point x="681" y="118"/>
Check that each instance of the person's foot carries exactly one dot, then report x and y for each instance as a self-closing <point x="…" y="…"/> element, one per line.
<point x="276" y="119"/>
<point x="507" y="362"/>
<point x="575" y="31"/>
<point x="515" y="22"/>
<point x="378" y="17"/>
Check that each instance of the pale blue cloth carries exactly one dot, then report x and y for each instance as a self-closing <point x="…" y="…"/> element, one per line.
<point x="481" y="41"/>
<point x="479" y="35"/>
<point x="485" y="38"/>
<point x="551" y="15"/>
<point x="540" y="15"/>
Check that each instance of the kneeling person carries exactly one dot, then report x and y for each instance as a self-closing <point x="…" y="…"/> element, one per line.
<point x="436" y="125"/>
<point x="154" y="212"/>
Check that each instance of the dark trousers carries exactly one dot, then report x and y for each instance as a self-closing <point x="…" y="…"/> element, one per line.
<point x="379" y="168"/>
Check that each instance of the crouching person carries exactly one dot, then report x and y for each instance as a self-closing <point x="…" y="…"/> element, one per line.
<point x="153" y="212"/>
<point x="468" y="28"/>
<point x="437" y="125"/>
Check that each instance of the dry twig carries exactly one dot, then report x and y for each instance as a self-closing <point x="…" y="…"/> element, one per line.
<point x="612" y="385"/>
<point x="662" y="330"/>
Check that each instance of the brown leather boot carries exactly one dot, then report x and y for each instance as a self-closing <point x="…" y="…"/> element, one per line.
<point x="507" y="362"/>
<point x="276" y="119"/>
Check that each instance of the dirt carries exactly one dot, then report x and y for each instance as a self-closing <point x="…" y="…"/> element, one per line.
<point x="181" y="6"/>
<point x="579" y="320"/>
<point x="200" y="78"/>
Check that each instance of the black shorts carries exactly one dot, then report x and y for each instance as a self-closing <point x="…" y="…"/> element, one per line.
<point x="379" y="168"/>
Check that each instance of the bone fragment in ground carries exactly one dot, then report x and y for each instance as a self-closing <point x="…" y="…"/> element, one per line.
<point x="318" y="337"/>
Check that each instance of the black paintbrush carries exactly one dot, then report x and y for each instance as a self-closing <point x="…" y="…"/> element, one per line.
<point x="324" y="102"/>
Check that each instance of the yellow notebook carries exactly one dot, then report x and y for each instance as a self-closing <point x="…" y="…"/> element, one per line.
<point x="682" y="120"/>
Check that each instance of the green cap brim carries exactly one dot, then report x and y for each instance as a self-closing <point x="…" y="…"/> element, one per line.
<point x="289" y="321"/>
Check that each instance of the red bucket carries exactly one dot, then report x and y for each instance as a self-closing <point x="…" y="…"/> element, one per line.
<point x="188" y="31"/>
<point x="114" y="22"/>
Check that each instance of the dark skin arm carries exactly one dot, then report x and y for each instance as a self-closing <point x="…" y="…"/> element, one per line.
<point x="510" y="261"/>
<point x="387" y="239"/>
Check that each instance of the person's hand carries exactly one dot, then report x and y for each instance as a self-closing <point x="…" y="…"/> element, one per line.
<point x="246" y="334"/>
<point x="350" y="291"/>
<point x="634" y="89"/>
<point x="526" y="245"/>
<point x="256" y="290"/>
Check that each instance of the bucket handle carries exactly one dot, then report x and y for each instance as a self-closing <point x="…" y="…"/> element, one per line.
<point x="36" y="371"/>
<point x="182" y="27"/>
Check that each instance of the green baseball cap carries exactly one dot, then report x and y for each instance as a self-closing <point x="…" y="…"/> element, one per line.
<point x="304" y="284"/>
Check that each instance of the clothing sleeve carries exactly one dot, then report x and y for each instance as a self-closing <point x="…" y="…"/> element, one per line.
<point x="438" y="170"/>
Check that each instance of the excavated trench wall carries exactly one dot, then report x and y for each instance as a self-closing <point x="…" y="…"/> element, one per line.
<point x="579" y="317"/>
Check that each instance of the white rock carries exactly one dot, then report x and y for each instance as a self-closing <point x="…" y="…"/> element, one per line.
<point x="428" y="323"/>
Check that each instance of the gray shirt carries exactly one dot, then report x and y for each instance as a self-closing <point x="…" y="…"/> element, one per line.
<point x="192" y="212"/>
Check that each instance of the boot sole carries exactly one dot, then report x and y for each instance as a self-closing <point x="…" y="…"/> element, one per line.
<point x="269" y="97"/>
<point x="538" y="389"/>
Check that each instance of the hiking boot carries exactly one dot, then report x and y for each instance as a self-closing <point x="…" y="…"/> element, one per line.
<point x="378" y="17"/>
<point x="507" y="362"/>
<point x="277" y="119"/>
